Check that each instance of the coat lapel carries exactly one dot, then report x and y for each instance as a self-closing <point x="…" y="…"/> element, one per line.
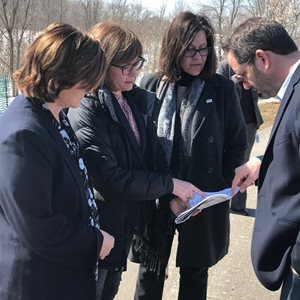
<point x="205" y="103"/>
<point x="283" y="106"/>
<point x="285" y="101"/>
<point x="119" y="117"/>
<point x="61" y="147"/>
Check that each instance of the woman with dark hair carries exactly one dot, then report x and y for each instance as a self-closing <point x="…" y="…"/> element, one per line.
<point x="127" y="165"/>
<point x="50" y="233"/>
<point x="201" y="128"/>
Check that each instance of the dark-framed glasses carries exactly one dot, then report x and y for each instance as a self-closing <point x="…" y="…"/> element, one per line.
<point x="191" y="52"/>
<point x="128" y="68"/>
<point x="242" y="77"/>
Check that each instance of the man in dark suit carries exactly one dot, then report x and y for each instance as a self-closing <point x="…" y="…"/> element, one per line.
<point x="264" y="56"/>
<point x="249" y="103"/>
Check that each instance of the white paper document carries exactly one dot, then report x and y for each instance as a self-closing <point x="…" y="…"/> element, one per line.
<point x="199" y="203"/>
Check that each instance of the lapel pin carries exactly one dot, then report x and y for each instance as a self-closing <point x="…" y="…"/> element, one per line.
<point x="209" y="101"/>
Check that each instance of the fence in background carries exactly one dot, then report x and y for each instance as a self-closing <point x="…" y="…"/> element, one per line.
<point x="5" y="92"/>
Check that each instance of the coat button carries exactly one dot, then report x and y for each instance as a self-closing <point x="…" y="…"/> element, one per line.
<point x="211" y="139"/>
<point x="210" y="169"/>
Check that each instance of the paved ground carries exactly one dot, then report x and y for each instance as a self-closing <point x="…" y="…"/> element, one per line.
<point x="233" y="277"/>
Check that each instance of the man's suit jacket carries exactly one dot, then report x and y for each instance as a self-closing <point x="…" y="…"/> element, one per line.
<point x="277" y="221"/>
<point x="47" y="249"/>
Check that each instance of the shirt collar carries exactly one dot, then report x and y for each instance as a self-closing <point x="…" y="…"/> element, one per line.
<point x="285" y="84"/>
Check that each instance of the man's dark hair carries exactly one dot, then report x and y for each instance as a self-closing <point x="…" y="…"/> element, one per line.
<point x="259" y="33"/>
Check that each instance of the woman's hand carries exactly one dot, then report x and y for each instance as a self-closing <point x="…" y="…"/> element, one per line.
<point x="107" y="245"/>
<point x="185" y="190"/>
<point x="178" y="206"/>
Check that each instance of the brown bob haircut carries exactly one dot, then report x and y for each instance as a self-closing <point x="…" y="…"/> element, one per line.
<point x="178" y="36"/>
<point x="120" y="44"/>
<point x="59" y="58"/>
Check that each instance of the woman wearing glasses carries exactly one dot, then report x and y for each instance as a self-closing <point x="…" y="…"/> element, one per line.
<point x="208" y="141"/>
<point x="127" y="166"/>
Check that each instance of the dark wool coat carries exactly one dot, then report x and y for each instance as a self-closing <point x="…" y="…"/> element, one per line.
<point x="123" y="173"/>
<point x="47" y="249"/>
<point x="225" y="70"/>
<point x="218" y="146"/>
<point x="254" y="96"/>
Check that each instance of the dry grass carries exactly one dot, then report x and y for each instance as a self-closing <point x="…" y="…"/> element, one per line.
<point x="268" y="111"/>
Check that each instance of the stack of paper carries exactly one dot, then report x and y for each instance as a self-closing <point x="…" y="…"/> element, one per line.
<point x="198" y="203"/>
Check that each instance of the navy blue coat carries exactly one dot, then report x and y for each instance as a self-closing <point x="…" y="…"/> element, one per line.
<point x="277" y="221"/>
<point x="47" y="249"/>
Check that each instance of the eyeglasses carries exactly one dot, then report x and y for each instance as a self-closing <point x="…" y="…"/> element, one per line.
<point x="127" y="69"/>
<point x="243" y="77"/>
<point x="191" y="52"/>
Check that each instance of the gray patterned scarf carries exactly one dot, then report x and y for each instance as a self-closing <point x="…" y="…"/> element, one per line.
<point x="167" y="114"/>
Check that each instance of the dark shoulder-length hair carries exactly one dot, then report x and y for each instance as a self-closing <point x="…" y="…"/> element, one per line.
<point x="178" y="36"/>
<point x="59" y="58"/>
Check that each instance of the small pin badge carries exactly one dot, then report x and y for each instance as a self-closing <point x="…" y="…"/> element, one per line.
<point x="209" y="101"/>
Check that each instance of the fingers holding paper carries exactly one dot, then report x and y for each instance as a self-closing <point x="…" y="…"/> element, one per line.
<point x="107" y="245"/>
<point x="178" y="206"/>
<point x="246" y="174"/>
<point x="185" y="190"/>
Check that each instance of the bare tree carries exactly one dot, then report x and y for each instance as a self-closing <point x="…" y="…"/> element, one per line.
<point x="117" y="10"/>
<point x="180" y="5"/>
<point x="15" y="19"/>
<point x="92" y="11"/>
<point x="286" y="12"/>
<point x="224" y="15"/>
<point x="256" y="8"/>
<point x="152" y="36"/>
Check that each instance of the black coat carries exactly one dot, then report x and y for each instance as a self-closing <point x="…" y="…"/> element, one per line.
<point x="123" y="173"/>
<point x="254" y="96"/>
<point x="218" y="146"/>
<point x="225" y="70"/>
<point x="276" y="238"/>
<point x="47" y="249"/>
